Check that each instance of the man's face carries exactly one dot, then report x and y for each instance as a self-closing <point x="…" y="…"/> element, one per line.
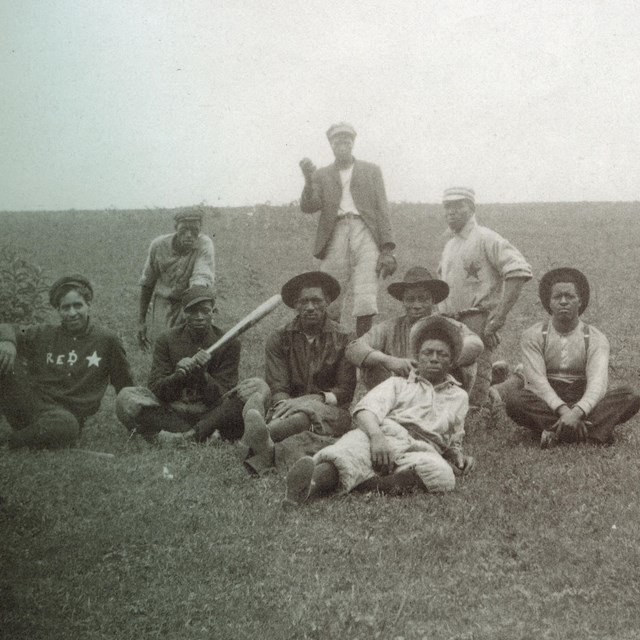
<point x="457" y="214"/>
<point x="311" y="306"/>
<point x="417" y="302"/>
<point x="564" y="301"/>
<point x="187" y="232"/>
<point x="434" y="360"/>
<point x="198" y="316"/>
<point x="73" y="312"/>
<point x="342" y="146"/>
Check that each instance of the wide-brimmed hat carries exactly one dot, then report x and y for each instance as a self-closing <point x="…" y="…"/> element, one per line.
<point x="197" y="293"/>
<point x="59" y="287"/>
<point x="291" y="289"/>
<point x="564" y="274"/>
<point x="438" y="328"/>
<point x="439" y="289"/>
<point x="340" y="127"/>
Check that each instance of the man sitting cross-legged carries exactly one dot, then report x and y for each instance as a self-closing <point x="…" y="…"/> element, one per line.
<point x="303" y="405"/>
<point x="409" y="433"/>
<point x="186" y="396"/>
<point x="384" y="350"/>
<point x="566" y="370"/>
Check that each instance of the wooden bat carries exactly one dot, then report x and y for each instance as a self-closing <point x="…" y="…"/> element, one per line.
<point x="246" y="323"/>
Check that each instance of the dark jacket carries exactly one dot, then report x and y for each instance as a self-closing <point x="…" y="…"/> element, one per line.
<point x="367" y="188"/>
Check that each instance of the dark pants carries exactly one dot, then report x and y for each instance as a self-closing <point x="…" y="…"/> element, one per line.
<point x="225" y="417"/>
<point x="618" y="405"/>
<point x="37" y="421"/>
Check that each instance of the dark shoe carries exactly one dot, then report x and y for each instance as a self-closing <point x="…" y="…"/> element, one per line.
<point x="548" y="439"/>
<point x="256" y="438"/>
<point x="299" y="482"/>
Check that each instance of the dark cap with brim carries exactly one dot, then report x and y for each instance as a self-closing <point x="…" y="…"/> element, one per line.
<point x="197" y="294"/>
<point x="436" y="328"/>
<point x="438" y="289"/>
<point x="291" y="289"/>
<point x="564" y="274"/>
<point x="59" y="287"/>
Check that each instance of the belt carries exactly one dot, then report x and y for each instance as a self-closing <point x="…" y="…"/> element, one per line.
<point x="349" y="216"/>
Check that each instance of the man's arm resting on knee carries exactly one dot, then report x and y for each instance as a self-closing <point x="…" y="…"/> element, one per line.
<point x="382" y="455"/>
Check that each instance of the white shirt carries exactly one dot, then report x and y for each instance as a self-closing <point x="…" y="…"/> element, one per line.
<point x="347" y="205"/>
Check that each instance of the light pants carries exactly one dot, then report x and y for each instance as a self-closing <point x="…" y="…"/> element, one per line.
<point x="351" y="455"/>
<point x="351" y="257"/>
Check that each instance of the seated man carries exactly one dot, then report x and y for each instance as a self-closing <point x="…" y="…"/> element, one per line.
<point x="566" y="370"/>
<point x="62" y="371"/>
<point x="409" y="431"/>
<point x="384" y="349"/>
<point x="185" y="396"/>
<point x="304" y="403"/>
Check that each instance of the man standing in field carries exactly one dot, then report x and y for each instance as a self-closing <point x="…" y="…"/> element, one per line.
<point x="353" y="240"/>
<point x="185" y="398"/>
<point x="302" y="405"/>
<point x="485" y="274"/>
<point x="409" y="430"/>
<point x="53" y="377"/>
<point x="175" y="262"/>
<point x="566" y="367"/>
<point x="384" y="350"/>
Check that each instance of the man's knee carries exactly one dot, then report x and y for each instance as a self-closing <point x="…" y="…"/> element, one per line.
<point x="435" y="473"/>
<point x="52" y="429"/>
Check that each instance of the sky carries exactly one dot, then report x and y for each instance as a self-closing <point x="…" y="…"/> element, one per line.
<point x="158" y="103"/>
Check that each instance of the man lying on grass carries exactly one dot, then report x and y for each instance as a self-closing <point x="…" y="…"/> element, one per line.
<point x="61" y="372"/>
<point x="304" y="403"/>
<point x="409" y="430"/>
<point x="384" y="350"/>
<point x="566" y="366"/>
<point x="186" y="396"/>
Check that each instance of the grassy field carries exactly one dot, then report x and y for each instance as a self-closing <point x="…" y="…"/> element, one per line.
<point x="159" y="543"/>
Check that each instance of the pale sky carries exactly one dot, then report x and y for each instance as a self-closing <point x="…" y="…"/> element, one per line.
<point x="158" y="103"/>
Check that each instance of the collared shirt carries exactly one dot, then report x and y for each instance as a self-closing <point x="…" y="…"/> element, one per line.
<point x="296" y="366"/>
<point x="565" y="359"/>
<point x="347" y="205"/>
<point x="428" y="412"/>
<point x="171" y="273"/>
<point x="474" y="264"/>
<point x="206" y="385"/>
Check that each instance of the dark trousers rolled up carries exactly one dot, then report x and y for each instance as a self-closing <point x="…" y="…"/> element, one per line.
<point x="618" y="405"/>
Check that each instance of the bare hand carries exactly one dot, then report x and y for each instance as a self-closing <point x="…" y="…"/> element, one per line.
<point x="490" y="334"/>
<point x="143" y="341"/>
<point x="382" y="455"/>
<point x="400" y="366"/>
<point x="308" y="168"/>
<point x="286" y="408"/>
<point x="7" y="357"/>
<point x="386" y="265"/>
<point x="245" y="389"/>
<point x="571" y="425"/>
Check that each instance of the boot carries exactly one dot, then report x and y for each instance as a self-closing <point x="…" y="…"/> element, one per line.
<point x="282" y="428"/>
<point x="392" y="484"/>
<point x="307" y="480"/>
<point x="255" y="439"/>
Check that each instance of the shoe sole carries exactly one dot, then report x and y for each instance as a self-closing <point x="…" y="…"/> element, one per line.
<point x="299" y="481"/>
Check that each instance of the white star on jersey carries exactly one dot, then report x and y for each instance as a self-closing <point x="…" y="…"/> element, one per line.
<point x="93" y="360"/>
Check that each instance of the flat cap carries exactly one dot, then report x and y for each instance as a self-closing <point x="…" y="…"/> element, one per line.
<point x="62" y="285"/>
<point x="188" y="214"/>
<point x="195" y="294"/>
<point x="459" y="193"/>
<point x="340" y="127"/>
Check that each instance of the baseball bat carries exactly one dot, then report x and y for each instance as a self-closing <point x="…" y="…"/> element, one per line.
<point x="246" y="323"/>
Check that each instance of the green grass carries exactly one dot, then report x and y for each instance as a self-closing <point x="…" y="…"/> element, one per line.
<point x="534" y="544"/>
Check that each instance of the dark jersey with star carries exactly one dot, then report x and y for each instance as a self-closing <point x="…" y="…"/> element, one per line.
<point x="71" y="370"/>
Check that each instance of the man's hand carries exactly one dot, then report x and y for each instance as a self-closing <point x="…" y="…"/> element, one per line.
<point x="286" y="408"/>
<point x="461" y="464"/>
<point x="399" y="366"/>
<point x="386" y="265"/>
<point x="490" y="334"/>
<point x="308" y="168"/>
<point x="571" y="423"/>
<point x="7" y="357"/>
<point x="383" y="458"/>
<point x="246" y="388"/>
<point x="143" y="341"/>
<point x="195" y="362"/>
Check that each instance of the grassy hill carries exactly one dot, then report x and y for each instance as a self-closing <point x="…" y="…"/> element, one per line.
<point x="535" y="544"/>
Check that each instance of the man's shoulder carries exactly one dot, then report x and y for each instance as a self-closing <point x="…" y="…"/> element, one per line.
<point x="335" y="327"/>
<point x="204" y="241"/>
<point x="171" y="335"/>
<point x="534" y="332"/>
<point x="161" y="241"/>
